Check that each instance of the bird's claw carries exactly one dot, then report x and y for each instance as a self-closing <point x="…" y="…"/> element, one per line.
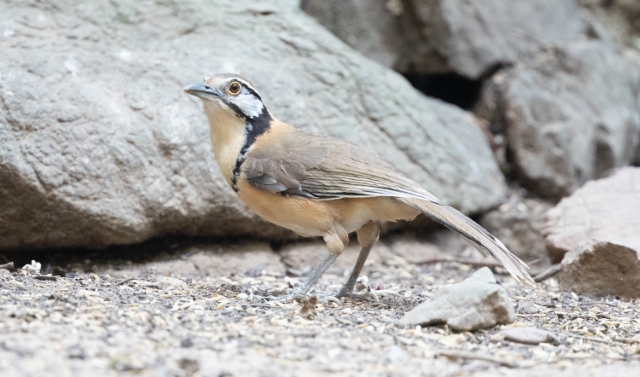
<point x="359" y="296"/>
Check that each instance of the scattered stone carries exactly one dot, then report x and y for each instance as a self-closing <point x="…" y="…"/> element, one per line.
<point x="189" y="366"/>
<point x="602" y="268"/>
<point x="529" y="335"/>
<point x="33" y="267"/>
<point x="606" y="209"/>
<point x="396" y="354"/>
<point x="308" y="309"/>
<point x="167" y="281"/>
<point x="476" y="303"/>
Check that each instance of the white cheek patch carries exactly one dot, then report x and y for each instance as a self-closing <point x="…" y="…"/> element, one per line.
<point x="249" y="105"/>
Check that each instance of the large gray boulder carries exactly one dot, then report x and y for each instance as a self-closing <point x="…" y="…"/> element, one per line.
<point x="569" y="115"/>
<point x="100" y="146"/>
<point x="620" y="18"/>
<point x="465" y="37"/>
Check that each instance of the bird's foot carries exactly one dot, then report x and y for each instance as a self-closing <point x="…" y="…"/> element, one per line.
<point x="301" y="298"/>
<point x="358" y="296"/>
<point x="361" y="291"/>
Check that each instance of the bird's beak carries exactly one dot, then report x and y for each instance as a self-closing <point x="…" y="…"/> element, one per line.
<point x="202" y="90"/>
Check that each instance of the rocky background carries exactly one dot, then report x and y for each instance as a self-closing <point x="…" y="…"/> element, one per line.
<point x="523" y="114"/>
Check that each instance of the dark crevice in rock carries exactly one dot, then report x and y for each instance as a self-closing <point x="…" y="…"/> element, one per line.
<point x="451" y="88"/>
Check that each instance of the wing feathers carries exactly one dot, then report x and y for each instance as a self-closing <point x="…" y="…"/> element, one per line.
<point x="299" y="164"/>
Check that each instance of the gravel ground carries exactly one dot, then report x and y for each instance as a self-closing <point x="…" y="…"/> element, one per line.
<point x="116" y="317"/>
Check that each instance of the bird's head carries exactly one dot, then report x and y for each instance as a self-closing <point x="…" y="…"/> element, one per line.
<point x="228" y="92"/>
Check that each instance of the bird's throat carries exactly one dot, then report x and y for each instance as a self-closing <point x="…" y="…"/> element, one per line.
<point x="232" y="137"/>
<point x="254" y="128"/>
<point x="227" y="133"/>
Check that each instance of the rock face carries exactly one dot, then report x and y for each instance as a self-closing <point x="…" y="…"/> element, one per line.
<point x="606" y="209"/>
<point x="466" y="37"/>
<point x="569" y="116"/>
<point x="620" y="18"/>
<point x="569" y="107"/>
<point x="100" y="146"/>
<point x="601" y="268"/>
<point x="518" y="224"/>
<point x="476" y="303"/>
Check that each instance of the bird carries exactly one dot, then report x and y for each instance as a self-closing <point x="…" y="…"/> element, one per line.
<point x="320" y="186"/>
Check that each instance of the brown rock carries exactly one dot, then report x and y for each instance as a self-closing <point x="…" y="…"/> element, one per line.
<point x="606" y="209"/>
<point x="602" y="268"/>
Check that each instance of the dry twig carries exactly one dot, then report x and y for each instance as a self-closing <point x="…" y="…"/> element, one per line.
<point x="471" y="262"/>
<point x="45" y="277"/>
<point x="550" y="272"/>
<point x="125" y="281"/>
<point x="476" y="356"/>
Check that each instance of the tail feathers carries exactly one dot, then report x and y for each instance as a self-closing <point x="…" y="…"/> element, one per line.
<point x="453" y="219"/>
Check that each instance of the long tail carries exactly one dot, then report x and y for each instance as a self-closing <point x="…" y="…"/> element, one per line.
<point x="453" y="219"/>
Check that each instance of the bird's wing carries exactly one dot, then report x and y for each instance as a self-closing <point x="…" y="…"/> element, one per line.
<point x="321" y="168"/>
<point x="300" y="164"/>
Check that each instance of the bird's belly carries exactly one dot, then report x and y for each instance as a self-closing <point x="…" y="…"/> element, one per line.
<point x="353" y="213"/>
<point x="306" y="217"/>
<point x="310" y="218"/>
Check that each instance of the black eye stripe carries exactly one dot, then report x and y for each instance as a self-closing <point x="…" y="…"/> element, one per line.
<point x="246" y="87"/>
<point x="253" y="92"/>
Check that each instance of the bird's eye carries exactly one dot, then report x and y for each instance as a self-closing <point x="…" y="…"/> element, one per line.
<point x="234" y="88"/>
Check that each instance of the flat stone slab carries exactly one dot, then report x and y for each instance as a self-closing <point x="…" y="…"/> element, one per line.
<point x="476" y="303"/>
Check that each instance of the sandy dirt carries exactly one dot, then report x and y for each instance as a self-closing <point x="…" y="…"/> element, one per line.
<point x="193" y="312"/>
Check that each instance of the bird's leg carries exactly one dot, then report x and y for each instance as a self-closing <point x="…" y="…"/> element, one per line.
<point x="367" y="237"/>
<point x="313" y="277"/>
<point x="336" y="241"/>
